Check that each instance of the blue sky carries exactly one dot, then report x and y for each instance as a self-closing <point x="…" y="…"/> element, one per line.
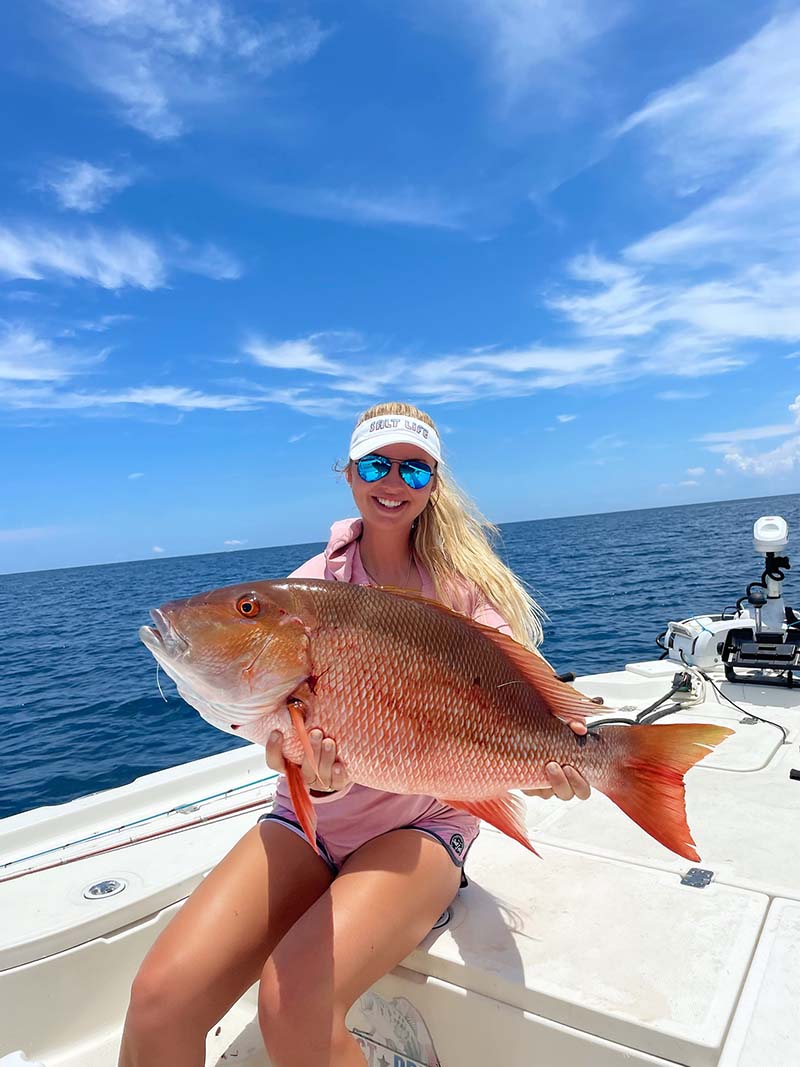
<point x="570" y="230"/>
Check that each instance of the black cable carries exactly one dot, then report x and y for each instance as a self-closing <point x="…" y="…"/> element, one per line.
<point x="638" y="721"/>
<point x="655" y="715"/>
<point x="646" y="717"/>
<point x="652" y="707"/>
<point x="609" y="722"/>
<point x="747" y="713"/>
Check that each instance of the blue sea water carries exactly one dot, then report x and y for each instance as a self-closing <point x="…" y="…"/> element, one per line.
<point x="79" y="705"/>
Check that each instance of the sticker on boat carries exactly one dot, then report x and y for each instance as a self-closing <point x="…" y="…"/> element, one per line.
<point x="392" y="1033"/>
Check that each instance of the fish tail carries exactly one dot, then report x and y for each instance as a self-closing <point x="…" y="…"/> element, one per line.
<point x="646" y="780"/>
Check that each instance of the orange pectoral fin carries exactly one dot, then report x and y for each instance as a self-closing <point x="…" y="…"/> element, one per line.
<point x="506" y="812"/>
<point x="297" y="711"/>
<point x="301" y="802"/>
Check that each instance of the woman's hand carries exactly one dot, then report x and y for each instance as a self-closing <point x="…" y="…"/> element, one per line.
<point x="565" y="781"/>
<point x="332" y="775"/>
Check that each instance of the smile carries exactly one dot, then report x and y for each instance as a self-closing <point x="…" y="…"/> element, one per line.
<point x="390" y="505"/>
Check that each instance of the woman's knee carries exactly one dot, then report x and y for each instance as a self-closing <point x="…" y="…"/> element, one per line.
<point x="298" y="1014"/>
<point x="160" y="998"/>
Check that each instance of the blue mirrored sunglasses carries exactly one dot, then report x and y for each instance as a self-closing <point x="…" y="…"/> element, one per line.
<point x="416" y="473"/>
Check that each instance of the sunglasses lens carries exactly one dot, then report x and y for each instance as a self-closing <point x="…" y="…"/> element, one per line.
<point x="373" y="468"/>
<point x="415" y="474"/>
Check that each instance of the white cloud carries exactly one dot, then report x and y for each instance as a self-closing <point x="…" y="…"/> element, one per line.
<point x="749" y="433"/>
<point x="45" y="396"/>
<point x="27" y="357"/>
<point x="706" y="293"/>
<point x="528" y="45"/>
<point x="105" y="322"/>
<point x="677" y="325"/>
<point x="82" y="186"/>
<point x="783" y="459"/>
<point x="780" y="460"/>
<point x="208" y="260"/>
<point x="494" y="372"/>
<point x="393" y="207"/>
<point x="744" y="106"/>
<point x="696" y="472"/>
<point x="112" y="259"/>
<point x="296" y="437"/>
<point x="302" y="354"/>
<point x="438" y="379"/>
<point x="135" y="475"/>
<point x="607" y="441"/>
<point x="566" y="418"/>
<point x="157" y="549"/>
<point x="337" y="392"/>
<point x="690" y="481"/>
<point x="234" y="541"/>
<point x="680" y="394"/>
<point x="179" y="398"/>
<point x="161" y="59"/>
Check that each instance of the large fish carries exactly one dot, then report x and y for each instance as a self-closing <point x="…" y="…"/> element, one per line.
<point x="419" y="699"/>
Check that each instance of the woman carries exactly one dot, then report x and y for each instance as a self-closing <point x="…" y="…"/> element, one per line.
<point x="319" y="929"/>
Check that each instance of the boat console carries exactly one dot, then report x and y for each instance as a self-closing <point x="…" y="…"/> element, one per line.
<point x="757" y="642"/>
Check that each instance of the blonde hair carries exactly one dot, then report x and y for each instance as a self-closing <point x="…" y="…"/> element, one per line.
<point x="454" y="542"/>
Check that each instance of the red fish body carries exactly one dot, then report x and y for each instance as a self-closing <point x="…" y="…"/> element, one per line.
<point x="419" y="699"/>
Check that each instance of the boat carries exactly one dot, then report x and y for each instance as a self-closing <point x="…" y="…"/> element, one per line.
<point x="607" y="951"/>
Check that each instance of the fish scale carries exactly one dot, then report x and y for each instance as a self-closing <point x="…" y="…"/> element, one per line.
<point x="419" y="699"/>
<point x="509" y="733"/>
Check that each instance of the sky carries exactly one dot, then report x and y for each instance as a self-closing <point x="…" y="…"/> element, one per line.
<point x="568" y="230"/>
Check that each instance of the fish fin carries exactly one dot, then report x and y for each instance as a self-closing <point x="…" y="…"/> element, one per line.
<point x="506" y="812"/>
<point x="296" y="710"/>
<point x="301" y="802"/>
<point x="562" y="700"/>
<point x="647" y="781"/>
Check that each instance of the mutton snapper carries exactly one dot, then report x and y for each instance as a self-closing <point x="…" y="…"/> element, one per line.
<point x="418" y="698"/>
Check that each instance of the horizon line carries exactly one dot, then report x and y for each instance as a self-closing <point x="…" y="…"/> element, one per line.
<point x="299" y="544"/>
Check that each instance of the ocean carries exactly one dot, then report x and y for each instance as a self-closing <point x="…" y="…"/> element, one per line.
<point x="79" y="703"/>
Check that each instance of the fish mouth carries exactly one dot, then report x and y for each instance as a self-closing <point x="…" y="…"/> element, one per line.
<point x="163" y="637"/>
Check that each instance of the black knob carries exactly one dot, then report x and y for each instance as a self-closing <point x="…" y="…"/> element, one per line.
<point x="757" y="597"/>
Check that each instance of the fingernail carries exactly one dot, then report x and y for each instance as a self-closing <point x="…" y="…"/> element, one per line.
<point x="327" y="744"/>
<point x="274" y="736"/>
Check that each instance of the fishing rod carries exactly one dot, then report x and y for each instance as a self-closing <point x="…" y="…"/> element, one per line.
<point x="135" y="839"/>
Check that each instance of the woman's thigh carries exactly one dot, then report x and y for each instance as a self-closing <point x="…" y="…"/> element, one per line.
<point x="386" y="898"/>
<point x="215" y="947"/>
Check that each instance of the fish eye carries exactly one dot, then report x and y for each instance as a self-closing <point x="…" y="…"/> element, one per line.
<point x="248" y="606"/>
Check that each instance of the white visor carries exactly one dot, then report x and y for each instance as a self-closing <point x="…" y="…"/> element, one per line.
<point x="373" y="434"/>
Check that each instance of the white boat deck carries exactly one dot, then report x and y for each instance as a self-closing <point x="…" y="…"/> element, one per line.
<point x="594" y="956"/>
